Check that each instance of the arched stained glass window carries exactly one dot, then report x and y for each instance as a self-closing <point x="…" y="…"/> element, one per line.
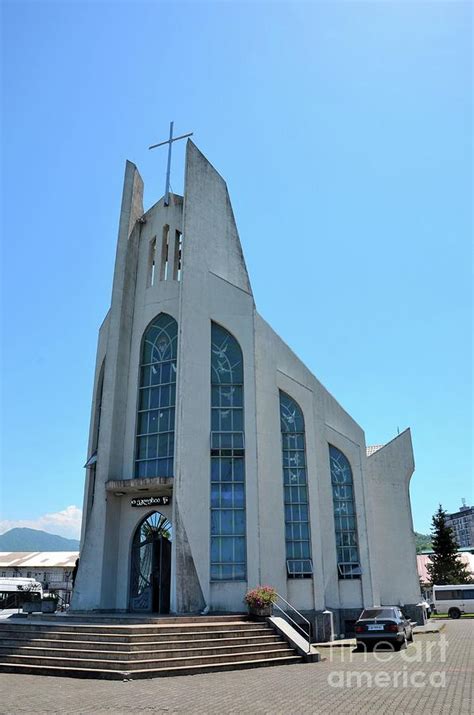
<point x="348" y="562"/>
<point x="228" y="549"/>
<point x="297" y="532"/>
<point x="157" y="397"/>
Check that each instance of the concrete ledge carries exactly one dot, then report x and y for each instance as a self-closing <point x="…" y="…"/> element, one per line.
<point x="429" y="628"/>
<point x="160" y="486"/>
<point x="295" y="639"/>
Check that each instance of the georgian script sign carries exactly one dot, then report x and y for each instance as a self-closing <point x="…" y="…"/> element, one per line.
<point x="150" y="501"/>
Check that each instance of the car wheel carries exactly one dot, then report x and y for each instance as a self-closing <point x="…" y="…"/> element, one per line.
<point x="454" y="613"/>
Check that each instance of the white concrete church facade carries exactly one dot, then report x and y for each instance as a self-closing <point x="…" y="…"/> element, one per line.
<point x="217" y="461"/>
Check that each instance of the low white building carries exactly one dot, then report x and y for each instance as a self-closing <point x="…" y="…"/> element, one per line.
<point x="217" y="461"/>
<point x="53" y="569"/>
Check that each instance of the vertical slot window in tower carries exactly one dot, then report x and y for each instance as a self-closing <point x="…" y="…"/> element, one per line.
<point x="152" y="263"/>
<point x="157" y="399"/>
<point x="228" y="529"/>
<point x="165" y="253"/>
<point x="348" y="561"/>
<point x="299" y="563"/>
<point x="178" y="255"/>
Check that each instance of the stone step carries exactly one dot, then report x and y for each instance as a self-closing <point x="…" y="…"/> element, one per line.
<point x="131" y="629"/>
<point x="14" y="642"/>
<point x="126" y="655"/>
<point x="153" y="664"/>
<point x="81" y="672"/>
<point x="133" y="636"/>
<point x="131" y="650"/>
<point x="124" y="619"/>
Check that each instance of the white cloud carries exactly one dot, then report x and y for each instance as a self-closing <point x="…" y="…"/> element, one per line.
<point x="65" y="523"/>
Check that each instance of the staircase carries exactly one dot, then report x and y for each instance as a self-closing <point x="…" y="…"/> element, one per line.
<point x="116" y="650"/>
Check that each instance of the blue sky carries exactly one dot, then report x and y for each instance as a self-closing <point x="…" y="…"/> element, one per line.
<point x="343" y="130"/>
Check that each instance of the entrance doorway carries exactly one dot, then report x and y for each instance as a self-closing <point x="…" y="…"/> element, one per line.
<point x="151" y="565"/>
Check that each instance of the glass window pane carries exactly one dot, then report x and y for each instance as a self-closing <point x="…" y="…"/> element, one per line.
<point x="344" y="514"/>
<point x="143" y="422"/>
<point x="215" y="495"/>
<point x="226" y="521"/>
<point x="215" y="549"/>
<point x="144" y="399"/>
<point x="294" y="480"/>
<point x="145" y="377"/>
<point x="227" y="463"/>
<point x="141" y="451"/>
<point x="227" y="553"/>
<point x="159" y="349"/>
<point x="154" y="397"/>
<point x="152" y="447"/>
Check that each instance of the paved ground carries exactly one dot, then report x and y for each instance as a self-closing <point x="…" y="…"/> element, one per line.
<point x="434" y="675"/>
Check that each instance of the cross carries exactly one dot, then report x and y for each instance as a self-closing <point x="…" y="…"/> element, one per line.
<point x="170" y="143"/>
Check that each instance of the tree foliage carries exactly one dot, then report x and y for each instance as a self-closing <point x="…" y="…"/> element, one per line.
<point x="423" y="542"/>
<point x="446" y="566"/>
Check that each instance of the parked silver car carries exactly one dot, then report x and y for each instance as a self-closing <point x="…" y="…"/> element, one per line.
<point x="386" y="624"/>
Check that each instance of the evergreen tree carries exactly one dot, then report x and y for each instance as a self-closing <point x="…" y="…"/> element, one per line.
<point x="446" y="566"/>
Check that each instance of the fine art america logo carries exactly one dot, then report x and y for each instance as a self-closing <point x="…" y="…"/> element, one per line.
<point x="399" y="672"/>
<point x="150" y="501"/>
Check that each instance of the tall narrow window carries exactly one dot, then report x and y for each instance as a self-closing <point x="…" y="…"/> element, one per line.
<point x="228" y="543"/>
<point x="348" y="562"/>
<point x="297" y="533"/>
<point x="152" y="263"/>
<point x="178" y="251"/>
<point x="165" y="253"/>
<point x="156" y="400"/>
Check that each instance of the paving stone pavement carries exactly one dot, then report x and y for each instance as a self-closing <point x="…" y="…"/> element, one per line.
<point x="434" y="675"/>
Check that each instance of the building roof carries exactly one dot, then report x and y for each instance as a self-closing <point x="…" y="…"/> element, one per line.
<point x="422" y="561"/>
<point x="373" y="448"/>
<point x="39" y="559"/>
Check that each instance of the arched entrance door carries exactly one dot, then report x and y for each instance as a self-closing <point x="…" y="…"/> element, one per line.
<point x="151" y="565"/>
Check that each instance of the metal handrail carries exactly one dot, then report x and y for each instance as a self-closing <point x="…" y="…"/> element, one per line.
<point x="308" y="635"/>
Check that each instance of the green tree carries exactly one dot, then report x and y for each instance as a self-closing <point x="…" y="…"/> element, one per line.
<point x="446" y="566"/>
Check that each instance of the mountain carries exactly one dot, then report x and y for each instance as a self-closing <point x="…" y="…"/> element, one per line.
<point x="35" y="540"/>
<point x="423" y="542"/>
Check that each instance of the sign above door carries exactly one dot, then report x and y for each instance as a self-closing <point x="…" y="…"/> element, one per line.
<point x="150" y="501"/>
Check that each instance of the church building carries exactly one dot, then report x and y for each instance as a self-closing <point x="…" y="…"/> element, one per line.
<point x="217" y="461"/>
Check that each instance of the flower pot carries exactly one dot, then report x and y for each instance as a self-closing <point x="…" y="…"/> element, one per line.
<point x="260" y="613"/>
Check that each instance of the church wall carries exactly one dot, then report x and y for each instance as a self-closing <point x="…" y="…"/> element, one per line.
<point x="389" y="473"/>
<point x="149" y="302"/>
<point x="355" y="452"/>
<point x="99" y="365"/>
<point x="275" y="364"/>
<point x="279" y="368"/>
<point x="97" y="552"/>
<point x="232" y="308"/>
<point x="214" y="286"/>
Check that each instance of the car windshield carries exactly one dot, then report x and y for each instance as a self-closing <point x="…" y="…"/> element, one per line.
<point x="377" y="613"/>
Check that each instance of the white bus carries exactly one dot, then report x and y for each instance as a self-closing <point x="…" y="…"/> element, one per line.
<point x="454" y="600"/>
<point x="16" y="591"/>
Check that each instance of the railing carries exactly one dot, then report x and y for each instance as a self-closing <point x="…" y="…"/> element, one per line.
<point x="298" y="626"/>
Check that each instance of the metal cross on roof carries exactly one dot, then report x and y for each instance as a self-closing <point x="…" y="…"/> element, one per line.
<point x="170" y="143"/>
